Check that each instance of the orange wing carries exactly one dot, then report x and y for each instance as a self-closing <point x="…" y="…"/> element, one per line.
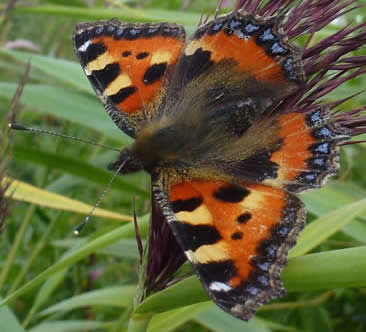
<point x="308" y="154"/>
<point x="127" y="65"/>
<point x="238" y="57"/>
<point x="256" y="45"/>
<point x="236" y="236"/>
<point x="294" y="151"/>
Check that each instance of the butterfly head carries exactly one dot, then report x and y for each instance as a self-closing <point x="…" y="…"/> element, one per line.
<point x="158" y="145"/>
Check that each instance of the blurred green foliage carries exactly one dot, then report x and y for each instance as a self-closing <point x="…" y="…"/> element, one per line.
<point x="55" y="282"/>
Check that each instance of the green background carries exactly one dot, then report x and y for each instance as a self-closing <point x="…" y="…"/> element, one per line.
<point x="52" y="281"/>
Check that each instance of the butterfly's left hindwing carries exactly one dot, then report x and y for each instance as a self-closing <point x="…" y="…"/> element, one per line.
<point x="235" y="235"/>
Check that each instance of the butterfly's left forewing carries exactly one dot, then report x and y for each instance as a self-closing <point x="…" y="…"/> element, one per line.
<point x="236" y="236"/>
<point x="128" y="66"/>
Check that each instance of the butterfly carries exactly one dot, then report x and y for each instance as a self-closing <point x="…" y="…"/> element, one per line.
<point x="225" y="167"/>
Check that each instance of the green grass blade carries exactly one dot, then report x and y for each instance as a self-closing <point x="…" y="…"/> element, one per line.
<point x="44" y="294"/>
<point x="170" y="320"/>
<point x="26" y="193"/>
<point x="76" y="167"/>
<point x="278" y="327"/>
<point x="125" y="14"/>
<point x="48" y="288"/>
<point x="9" y="322"/>
<point x="70" y="326"/>
<point x="357" y="230"/>
<point x="67" y="72"/>
<point x="68" y="105"/>
<point x="79" y="3"/>
<point x="184" y="293"/>
<point x="126" y="248"/>
<point x="33" y="255"/>
<point x="137" y="323"/>
<point x="124" y="231"/>
<point x="118" y="296"/>
<point x="323" y="271"/>
<point x="325" y="226"/>
<point x="217" y="320"/>
<point x="326" y="270"/>
<point x="16" y="245"/>
<point x="331" y="197"/>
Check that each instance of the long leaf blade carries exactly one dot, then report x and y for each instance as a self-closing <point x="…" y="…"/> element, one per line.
<point x="68" y="105"/>
<point x="24" y="192"/>
<point x="124" y="231"/>
<point x="118" y="296"/>
<point x="67" y="72"/>
<point x="76" y="167"/>
<point x="126" y="14"/>
<point x="326" y="225"/>
<point x="322" y="271"/>
<point x="220" y="321"/>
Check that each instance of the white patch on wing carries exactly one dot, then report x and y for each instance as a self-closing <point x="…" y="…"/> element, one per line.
<point x="191" y="257"/>
<point x="85" y="46"/>
<point x="120" y="82"/>
<point x="219" y="287"/>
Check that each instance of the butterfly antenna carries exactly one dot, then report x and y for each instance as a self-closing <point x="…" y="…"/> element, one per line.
<point x="16" y="126"/>
<point x="78" y="229"/>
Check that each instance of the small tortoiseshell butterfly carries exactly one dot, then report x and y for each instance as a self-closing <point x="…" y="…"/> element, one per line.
<point x="225" y="167"/>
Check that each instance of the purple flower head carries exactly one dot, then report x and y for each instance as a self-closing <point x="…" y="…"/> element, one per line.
<point x="327" y="63"/>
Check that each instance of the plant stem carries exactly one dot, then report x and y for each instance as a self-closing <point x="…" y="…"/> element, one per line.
<point x="119" y="325"/>
<point x="138" y="323"/>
